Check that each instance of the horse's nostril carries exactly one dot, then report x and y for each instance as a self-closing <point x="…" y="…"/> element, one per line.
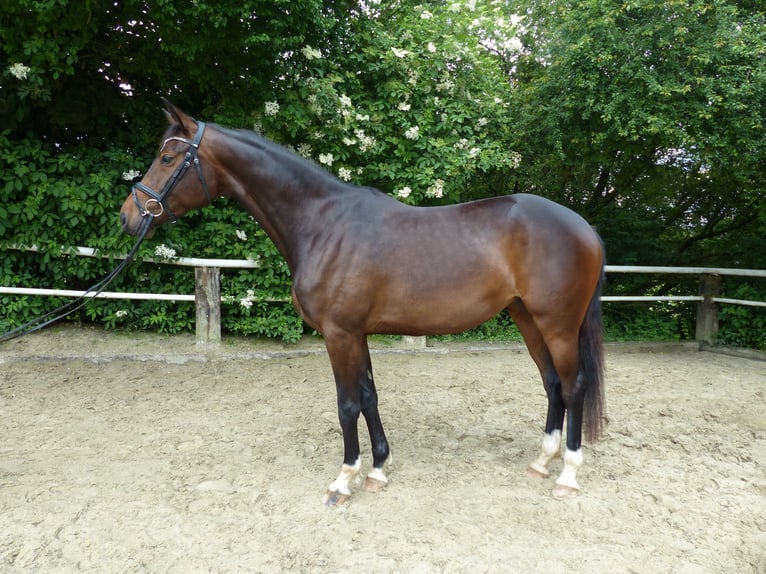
<point x="123" y="220"/>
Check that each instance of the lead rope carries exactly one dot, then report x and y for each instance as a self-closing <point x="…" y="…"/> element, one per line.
<point x="78" y="303"/>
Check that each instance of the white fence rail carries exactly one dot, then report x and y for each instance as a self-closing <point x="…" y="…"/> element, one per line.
<point x="208" y="299"/>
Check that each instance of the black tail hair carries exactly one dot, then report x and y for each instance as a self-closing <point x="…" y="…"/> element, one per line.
<point x="591" y="346"/>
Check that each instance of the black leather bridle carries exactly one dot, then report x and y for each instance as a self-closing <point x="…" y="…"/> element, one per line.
<point x="153" y="207"/>
<point x="156" y="205"/>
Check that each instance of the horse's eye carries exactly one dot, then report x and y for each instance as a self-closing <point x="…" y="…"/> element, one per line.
<point x="167" y="159"/>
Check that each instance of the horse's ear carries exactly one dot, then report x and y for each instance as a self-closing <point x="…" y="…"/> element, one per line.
<point x="177" y="117"/>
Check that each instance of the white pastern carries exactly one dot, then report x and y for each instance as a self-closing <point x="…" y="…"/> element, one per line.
<point x="348" y="474"/>
<point x="572" y="462"/>
<point x="551" y="448"/>
<point x="377" y="474"/>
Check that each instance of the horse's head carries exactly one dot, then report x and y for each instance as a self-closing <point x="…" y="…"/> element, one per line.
<point x="177" y="180"/>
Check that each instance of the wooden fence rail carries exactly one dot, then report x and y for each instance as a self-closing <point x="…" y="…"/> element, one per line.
<point x="207" y="295"/>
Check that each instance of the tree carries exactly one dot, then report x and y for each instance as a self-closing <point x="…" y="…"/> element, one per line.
<point x="649" y="117"/>
<point x="646" y="117"/>
<point x="93" y="71"/>
<point x="414" y="103"/>
<point x="400" y="96"/>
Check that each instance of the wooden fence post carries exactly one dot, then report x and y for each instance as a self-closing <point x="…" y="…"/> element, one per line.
<point x="707" y="309"/>
<point x="207" y="301"/>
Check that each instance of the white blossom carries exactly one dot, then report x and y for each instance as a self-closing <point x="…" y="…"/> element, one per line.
<point x="310" y="53"/>
<point x="514" y="45"/>
<point x="344" y="174"/>
<point x="304" y="150"/>
<point x="436" y="190"/>
<point x="365" y="142"/>
<point x="247" y="301"/>
<point x="482" y="122"/>
<point x="130" y="175"/>
<point x="326" y="158"/>
<point x="121" y="313"/>
<point x="412" y="133"/>
<point x="448" y="85"/>
<point x="164" y="252"/>
<point x="431" y="47"/>
<point x="241" y="235"/>
<point x="462" y="143"/>
<point x="404" y="192"/>
<point x="19" y="71"/>
<point x="399" y="53"/>
<point x="271" y="108"/>
<point x="426" y="15"/>
<point x="345" y="101"/>
<point x="404" y="106"/>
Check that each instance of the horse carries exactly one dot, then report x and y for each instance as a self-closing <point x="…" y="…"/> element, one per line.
<point x="365" y="263"/>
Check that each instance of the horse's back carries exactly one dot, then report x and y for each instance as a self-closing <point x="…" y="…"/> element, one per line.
<point x="428" y="270"/>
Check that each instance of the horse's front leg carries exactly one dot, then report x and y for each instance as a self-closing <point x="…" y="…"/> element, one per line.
<point x="351" y="366"/>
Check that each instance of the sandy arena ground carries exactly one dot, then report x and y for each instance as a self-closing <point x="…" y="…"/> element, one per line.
<point x="137" y="453"/>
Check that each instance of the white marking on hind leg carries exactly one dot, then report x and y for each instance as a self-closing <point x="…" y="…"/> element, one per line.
<point x="348" y="474"/>
<point x="572" y="462"/>
<point x="551" y="448"/>
<point x="377" y="474"/>
<point x="376" y="478"/>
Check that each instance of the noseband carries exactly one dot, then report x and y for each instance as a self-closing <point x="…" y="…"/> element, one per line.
<point x="156" y="205"/>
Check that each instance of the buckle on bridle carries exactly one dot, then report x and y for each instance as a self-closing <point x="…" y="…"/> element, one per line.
<point x="156" y="205"/>
<point x="147" y="211"/>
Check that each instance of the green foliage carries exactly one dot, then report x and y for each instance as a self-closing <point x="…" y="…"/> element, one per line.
<point x="646" y="117"/>
<point x="659" y="321"/>
<point x="497" y="329"/>
<point x="414" y="104"/>
<point x="652" y="120"/>
<point x="742" y="326"/>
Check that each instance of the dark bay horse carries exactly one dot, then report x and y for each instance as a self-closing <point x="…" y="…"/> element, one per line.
<point x="363" y="263"/>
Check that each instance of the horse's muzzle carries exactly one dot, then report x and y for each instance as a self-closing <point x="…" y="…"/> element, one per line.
<point x="133" y="226"/>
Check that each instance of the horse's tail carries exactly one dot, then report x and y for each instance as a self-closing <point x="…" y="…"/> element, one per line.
<point x="591" y="345"/>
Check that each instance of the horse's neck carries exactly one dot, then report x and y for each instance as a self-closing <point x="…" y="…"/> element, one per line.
<point x="290" y="207"/>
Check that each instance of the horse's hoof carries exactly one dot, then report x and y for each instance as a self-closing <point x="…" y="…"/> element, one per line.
<point x="534" y="473"/>
<point x="562" y="492"/>
<point x="335" y="498"/>
<point x="374" y="485"/>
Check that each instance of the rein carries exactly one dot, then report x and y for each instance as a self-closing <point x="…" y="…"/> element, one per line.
<point x="153" y="207"/>
<point x="156" y="205"/>
<point x="79" y="302"/>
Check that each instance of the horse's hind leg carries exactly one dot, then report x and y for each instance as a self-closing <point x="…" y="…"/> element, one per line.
<point x="540" y="354"/>
<point x="564" y="351"/>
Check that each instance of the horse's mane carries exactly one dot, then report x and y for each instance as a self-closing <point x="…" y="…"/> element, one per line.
<point x="283" y="153"/>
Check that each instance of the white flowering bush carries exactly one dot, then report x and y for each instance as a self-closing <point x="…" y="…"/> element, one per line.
<point x="420" y="111"/>
<point x="412" y="101"/>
